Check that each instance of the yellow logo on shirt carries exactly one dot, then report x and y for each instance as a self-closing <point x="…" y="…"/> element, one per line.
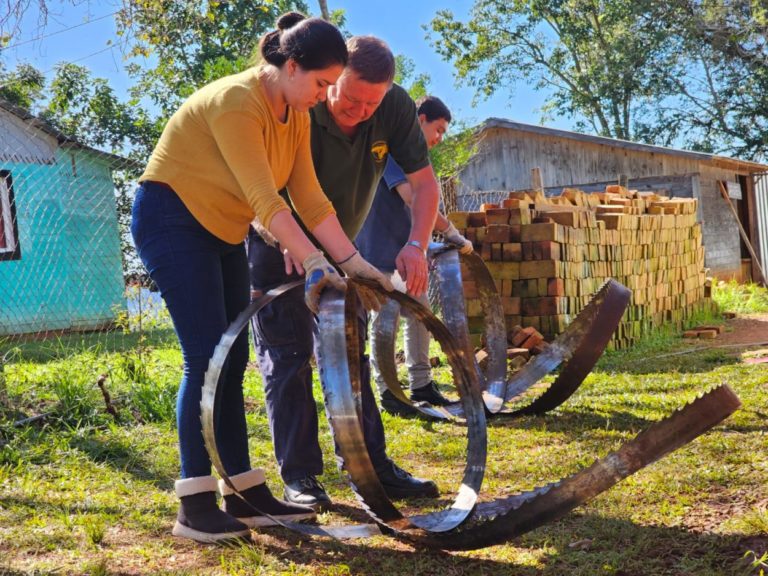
<point x="379" y="151"/>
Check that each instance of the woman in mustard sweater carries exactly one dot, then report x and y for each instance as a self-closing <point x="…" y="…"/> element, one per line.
<point x="218" y="165"/>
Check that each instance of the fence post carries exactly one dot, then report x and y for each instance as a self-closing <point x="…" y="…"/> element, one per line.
<point x="4" y="402"/>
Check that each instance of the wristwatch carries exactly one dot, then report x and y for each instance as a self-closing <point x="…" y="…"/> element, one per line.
<point x="417" y="244"/>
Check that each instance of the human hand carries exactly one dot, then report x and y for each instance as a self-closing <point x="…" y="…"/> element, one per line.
<point x="452" y="236"/>
<point x="358" y="267"/>
<point x="319" y="275"/>
<point x="411" y="263"/>
<point x="292" y="264"/>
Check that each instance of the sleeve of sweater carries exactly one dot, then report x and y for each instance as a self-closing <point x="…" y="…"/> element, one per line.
<point x="305" y="191"/>
<point x="239" y="137"/>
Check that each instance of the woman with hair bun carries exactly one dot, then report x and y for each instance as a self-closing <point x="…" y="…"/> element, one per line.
<point x="217" y="167"/>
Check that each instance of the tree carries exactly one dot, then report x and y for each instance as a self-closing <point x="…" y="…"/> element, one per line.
<point x="192" y="42"/>
<point x="686" y="73"/>
<point x="417" y="84"/>
<point x="719" y="100"/>
<point x="452" y="154"/>
<point x="603" y="63"/>
<point x="22" y="86"/>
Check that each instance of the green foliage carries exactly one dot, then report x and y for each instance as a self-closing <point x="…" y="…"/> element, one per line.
<point x="192" y="43"/>
<point x="719" y="89"/>
<point x="417" y="85"/>
<point x="453" y="153"/>
<point x="458" y="146"/>
<point x="95" y="528"/>
<point x="602" y="63"/>
<point x="740" y="298"/>
<point x="153" y="401"/>
<point x="74" y="386"/>
<point x="688" y="73"/>
<point x="22" y="86"/>
<point x="88" y="110"/>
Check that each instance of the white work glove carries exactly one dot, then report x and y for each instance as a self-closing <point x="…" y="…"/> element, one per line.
<point x="452" y="236"/>
<point x="319" y="275"/>
<point x="357" y="267"/>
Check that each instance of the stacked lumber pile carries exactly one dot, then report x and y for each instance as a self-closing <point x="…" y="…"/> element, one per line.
<point x="549" y="255"/>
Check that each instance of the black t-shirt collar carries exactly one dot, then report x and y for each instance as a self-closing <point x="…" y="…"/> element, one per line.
<point x="323" y="117"/>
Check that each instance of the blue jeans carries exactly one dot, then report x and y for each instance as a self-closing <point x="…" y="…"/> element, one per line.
<point x="204" y="282"/>
<point x="284" y="332"/>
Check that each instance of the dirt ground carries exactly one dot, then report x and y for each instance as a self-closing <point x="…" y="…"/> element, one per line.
<point x="749" y="330"/>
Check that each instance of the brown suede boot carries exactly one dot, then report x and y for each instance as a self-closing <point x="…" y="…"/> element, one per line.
<point x="199" y="516"/>
<point x="252" y="485"/>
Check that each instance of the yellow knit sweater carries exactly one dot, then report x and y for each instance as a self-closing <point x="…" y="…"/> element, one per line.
<point x="226" y="155"/>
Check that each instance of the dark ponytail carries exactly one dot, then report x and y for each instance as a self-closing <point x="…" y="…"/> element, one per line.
<point x="312" y="42"/>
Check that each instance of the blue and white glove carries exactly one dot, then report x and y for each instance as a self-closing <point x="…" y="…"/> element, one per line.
<point x="318" y="275"/>
<point x="452" y="236"/>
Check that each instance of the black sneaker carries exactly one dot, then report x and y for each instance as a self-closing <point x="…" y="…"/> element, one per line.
<point x="391" y="405"/>
<point x="430" y="394"/>
<point x="307" y="491"/>
<point x="398" y="483"/>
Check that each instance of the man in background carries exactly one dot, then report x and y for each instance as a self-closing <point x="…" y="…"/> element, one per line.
<point x="365" y="119"/>
<point x="384" y="233"/>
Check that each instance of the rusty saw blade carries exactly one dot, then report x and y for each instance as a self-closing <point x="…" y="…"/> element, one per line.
<point x="339" y="355"/>
<point x="466" y="524"/>
<point x="503" y="519"/>
<point x="506" y="518"/>
<point x="577" y="349"/>
<point x="208" y="410"/>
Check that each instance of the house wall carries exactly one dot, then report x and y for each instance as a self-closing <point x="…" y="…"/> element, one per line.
<point x="505" y="158"/>
<point x="70" y="273"/>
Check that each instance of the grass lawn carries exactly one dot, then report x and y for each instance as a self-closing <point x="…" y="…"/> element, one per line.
<point x="82" y="493"/>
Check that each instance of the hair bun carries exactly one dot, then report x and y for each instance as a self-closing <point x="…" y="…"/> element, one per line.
<point x="289" y="20"/>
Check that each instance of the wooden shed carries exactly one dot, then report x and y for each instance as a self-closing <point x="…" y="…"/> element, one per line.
<point x="60" y="258"/>
<point x="508" y="151"/>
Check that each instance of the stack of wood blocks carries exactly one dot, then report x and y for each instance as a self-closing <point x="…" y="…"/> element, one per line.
<point x="549" y="255"/>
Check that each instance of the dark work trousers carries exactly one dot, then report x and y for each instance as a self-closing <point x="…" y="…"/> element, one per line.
<point x="204" y="282"/>
<point x="283" y="333"/>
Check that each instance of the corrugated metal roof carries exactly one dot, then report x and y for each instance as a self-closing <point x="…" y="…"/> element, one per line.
<point x="64" y="140"/>
<point x="719" y="161"/>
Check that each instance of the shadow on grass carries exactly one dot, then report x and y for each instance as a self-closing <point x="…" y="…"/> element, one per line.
<point x="56" y="509"/>
<point x="578" y="544"/>
<point x="62" y="346"/>
<point x="122" y="457"/>
<point x="690" y="362"/>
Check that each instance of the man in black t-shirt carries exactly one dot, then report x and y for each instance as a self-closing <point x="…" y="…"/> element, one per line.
<point x="364" y="120"/>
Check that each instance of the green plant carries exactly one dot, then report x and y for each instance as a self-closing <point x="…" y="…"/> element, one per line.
<point x="740" y="298"/>
<point x="77" y="393"/>
<point x="758" y="563"/>
<point x="96" y="568"/>
<point x="154" y="401"/>
<point x="95" y="528"/>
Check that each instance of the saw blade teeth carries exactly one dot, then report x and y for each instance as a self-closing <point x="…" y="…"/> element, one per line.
<point x="513" y="514"/>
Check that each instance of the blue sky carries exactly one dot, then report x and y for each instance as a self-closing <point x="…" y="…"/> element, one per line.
<point x="399" y="22"/>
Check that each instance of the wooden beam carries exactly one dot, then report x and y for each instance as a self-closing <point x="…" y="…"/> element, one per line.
<point x="755" y="259"/>
<point x="536" y="180"/>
